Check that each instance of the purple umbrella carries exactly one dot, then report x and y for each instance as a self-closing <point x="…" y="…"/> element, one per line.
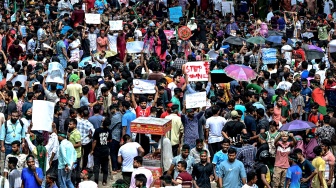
<point x="297" y="125"/>
<point x="240" y="72"/>
<point x="313" y="47"/>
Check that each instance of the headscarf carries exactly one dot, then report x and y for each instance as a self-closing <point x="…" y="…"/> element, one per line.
<point x="74" y="78"/>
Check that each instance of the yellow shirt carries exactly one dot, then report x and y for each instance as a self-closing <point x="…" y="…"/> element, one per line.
<point x="74" y="138"/>
<point x="320" y="166"/>
<point x="177" y="128"/>
<point x="74" y="90"/>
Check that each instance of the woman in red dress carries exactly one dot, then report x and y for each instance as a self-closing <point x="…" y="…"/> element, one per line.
<point x="121" y="45"/>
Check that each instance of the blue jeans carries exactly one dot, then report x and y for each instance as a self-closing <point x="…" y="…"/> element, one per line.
<point x="64" y="179"/>
<point x="63" y="62"/>
<point x="8" y="149"/>
<point x="114" y="147"/>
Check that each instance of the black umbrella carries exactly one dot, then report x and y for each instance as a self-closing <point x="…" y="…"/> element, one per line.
<point x="219" y="76"/>
<point x="275" y="33"/>
<point x="234" y="40"/>
<point x="314" y="54"/>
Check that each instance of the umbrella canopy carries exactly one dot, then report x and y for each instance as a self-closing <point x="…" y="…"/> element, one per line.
<point x="297" y="125"/>
<point x="234" y="40"/>
<point x="314" y="54"/>
<point x="274" y="39"/>
<point x="313" y="47"/>
<point x="275" y="33"/>
<point x="256" y="40"/>
<point x="240" y="72"/>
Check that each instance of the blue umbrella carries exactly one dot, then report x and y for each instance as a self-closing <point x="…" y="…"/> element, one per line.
<point x="297" y="125"/>
<point x="65" y="29"/>
<point x="274" y="39"/>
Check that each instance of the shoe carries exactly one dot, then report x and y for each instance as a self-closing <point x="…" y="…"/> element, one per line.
<point x="104" y="183"/>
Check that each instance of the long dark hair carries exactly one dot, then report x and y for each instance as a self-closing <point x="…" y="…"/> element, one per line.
<point x="163" y="40"/>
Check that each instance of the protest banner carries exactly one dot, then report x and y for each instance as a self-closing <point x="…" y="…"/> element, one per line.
<point x="55" y="73"/>
<point x="134" y="47"/>
<point x="92" y="18"/>
<point x="169" y="34"/>
<point x="144" y="86"/>
<point x="175" y="13"/>
<point x="21" y="78"/>
<point x="198" y="70"/>
<point x="227" y="7"/>
<point x="196" y="100"/>
<point x="113" y="41"/>
<point x="116" y="25"/>
<point x="44" y="115"/>
<point x="269" y="55"/>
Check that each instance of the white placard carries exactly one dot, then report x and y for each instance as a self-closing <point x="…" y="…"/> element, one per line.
<point x="55" y="73"/>
<point x="113" y="42"/>
<point x="116" y="25"/>
<point x="196" y="100"/>
<point x="144" y="86"/>
<point x="21" y="78"/>
<point x="92" y="18"/>
<point x="227" y="7"/>
<point x="197" y="70"/>
<point x="134" y="47"/>
<point x="43" y="116"/>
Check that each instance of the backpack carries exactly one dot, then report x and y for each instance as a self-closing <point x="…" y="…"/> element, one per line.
<point x="21" y="123"/>
<point x="258" y="165"/>
<point x="270" y="142"/>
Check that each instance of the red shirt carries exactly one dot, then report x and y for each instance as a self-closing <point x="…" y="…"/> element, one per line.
<point x="78" y="16"/>
<point x="91" y="96"/>
<point x="186" y="179"/>
<point x="142" y="112"/>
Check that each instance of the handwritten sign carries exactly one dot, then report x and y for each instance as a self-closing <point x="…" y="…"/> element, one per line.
<point x="134" y="47"/>
<point x="175" y="13"/>
<point x="144" y="86"/>
<point x="196" y="100"/>
<point x="113" y="41"/>
<point x="169" y="34"/>
<point x="269" y="55"/>
<point x="55" y="73"/>
<point x="21" y="78"/>
<point x="116" y="25"/>
<point x="44" y="115"/>
<point x="198" y="70"/>
<point x="92" y="18"/>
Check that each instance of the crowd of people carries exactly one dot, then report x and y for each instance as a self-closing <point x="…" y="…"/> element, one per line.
<point x="235" y="141"/>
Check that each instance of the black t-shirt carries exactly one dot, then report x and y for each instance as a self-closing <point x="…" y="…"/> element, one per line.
<point x="56" y="121"/>
<point x="53" y="9"/>
<point x="102" y="136"/>
<point x="260" y="169"/>
<point x="233" y="128"/>
<point x="262" y="148"/>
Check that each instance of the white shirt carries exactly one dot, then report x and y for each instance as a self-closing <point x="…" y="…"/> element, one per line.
<point x="332" y="46"/>
<point x="128" y="151"/>
<point x="215" y="125"/>
<point x="88" y="184"/>
<point x="144" y="171"/>
<point x="74" y="52"/>
<point x="167" y="153"/>
<point x="172" y="86"/>
<point x="102" y="66"/>
<point x="284" y="85"/>
<point x="52" y="146"/>
<point x="269" y="16"/>
<point x="287" y="55"/>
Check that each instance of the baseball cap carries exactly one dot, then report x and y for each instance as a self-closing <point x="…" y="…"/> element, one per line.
<point x="234" y="113"/>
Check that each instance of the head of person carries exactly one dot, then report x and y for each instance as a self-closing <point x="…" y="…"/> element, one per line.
<point x="51" y="178"/>
<point x="292" y="158"/>
<point x="166" y="180"/>
<point x="126" y="105"/>
<point x="72" y="124"/>
<point x="279" y="101"/>
<point x="204" y="156"/>
<point x="235" y="115"/>
<point x="181" y="166"/>
<point x="143" y="102"/>
<point x="225" y="145"/>
<point x="199" y="144"/>
<point x="16" y="146"/>
<point x="140" y="180"/>
<point x="314" y="108"/>
<point x="190" y="112"/>
<point x="12" y="162"/>
<point x="318" y="150"/>
<point x="185" y="151"/>
<point x="273" y="126"/>
<point x="325" y="144"/>
<point x="251" y="177"/>
<point x="14" y="116"/>
<point x="299" y="154"/>
<point x="126" y="138"/>
<point x="232" y="152"/>
<point x="284" y="136"/>
<point x="61" y="135"/>
<point x="137" y="161"/>
<point x="30" y="160"/>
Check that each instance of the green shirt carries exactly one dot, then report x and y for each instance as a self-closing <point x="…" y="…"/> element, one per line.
<point x="322" y="32"/>
<point x="119" y="84"/>
<point x="175" y="100"/>
<point x="254" y="87"/>
<point x="74" y="138"/>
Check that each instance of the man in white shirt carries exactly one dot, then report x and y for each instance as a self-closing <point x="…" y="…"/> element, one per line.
<point x="286" y="50"/>
<point x="126" y="155"/>
<point x="93" y="39"/>
<point x="139" y="169"/>
<point x="173" y="85"/>
<point x="191" y="24"/>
